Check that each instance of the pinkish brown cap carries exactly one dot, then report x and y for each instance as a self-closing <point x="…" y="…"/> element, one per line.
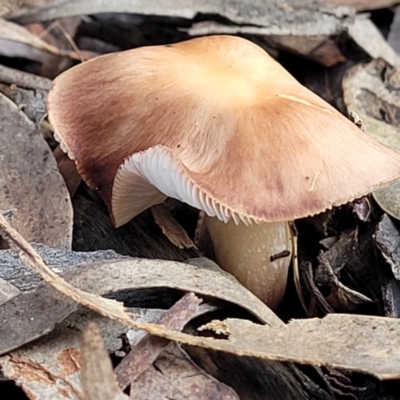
<point x="214" y="122"/>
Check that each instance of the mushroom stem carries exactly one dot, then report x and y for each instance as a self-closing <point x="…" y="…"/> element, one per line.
<point x="258" y="255"/>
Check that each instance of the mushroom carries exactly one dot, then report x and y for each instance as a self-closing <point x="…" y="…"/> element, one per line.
<point x="217" y="123"/>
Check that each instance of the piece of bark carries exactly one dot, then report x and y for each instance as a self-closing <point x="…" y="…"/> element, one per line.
<point x="30" y="182"/>
<point x="147" y="350"/>
<point x="97" y="377"/>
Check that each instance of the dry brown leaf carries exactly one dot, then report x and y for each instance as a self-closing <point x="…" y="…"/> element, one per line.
<point x="50" y="367"/>
<point x="355" y="342"/>
<point x="359" y="343"/>
<point x="23" y="320"/>
<point x="170" y="227"/>
<point x="30" y="182"/>
<point x="341" y="297"/>
<point x="97" y="376"/>
<point x="144" y="353"/>
<point x="296" y="17"/>
<point x="174" y="376"/>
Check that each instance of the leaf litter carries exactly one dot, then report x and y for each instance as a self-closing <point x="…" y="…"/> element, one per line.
<point x="344" y="277"/>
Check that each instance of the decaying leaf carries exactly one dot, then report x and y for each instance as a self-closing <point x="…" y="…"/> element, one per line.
<point x="317" y="300"/>
<point x="49" y="368"/>
<point x="170" y="227"/>
<point x="98" y="379"/>
<point x="372" y="91"/>
<point x="296" y="17"/>
<point x="145" y="352"/>
<point x="387" y="240"/>
<point x="23" y="321"/>
<point x="341" y="297"/>
<point x="30" y="182"/>
<point x="355" y="342"/>
<point x="174" y="375"/>
<point x="359" y="343"/>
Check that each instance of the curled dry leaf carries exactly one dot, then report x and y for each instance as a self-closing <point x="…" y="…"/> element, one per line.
<point x="371" y="91"/>
<point x="30" y="181"/>
<point x="22" y="320"/>
<point x="295" y="18"/>
<point x="97" y="376"/>
<point x="360" y="343"/>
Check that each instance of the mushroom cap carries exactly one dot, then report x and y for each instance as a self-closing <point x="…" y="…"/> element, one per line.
<point x="214" y="122"/>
